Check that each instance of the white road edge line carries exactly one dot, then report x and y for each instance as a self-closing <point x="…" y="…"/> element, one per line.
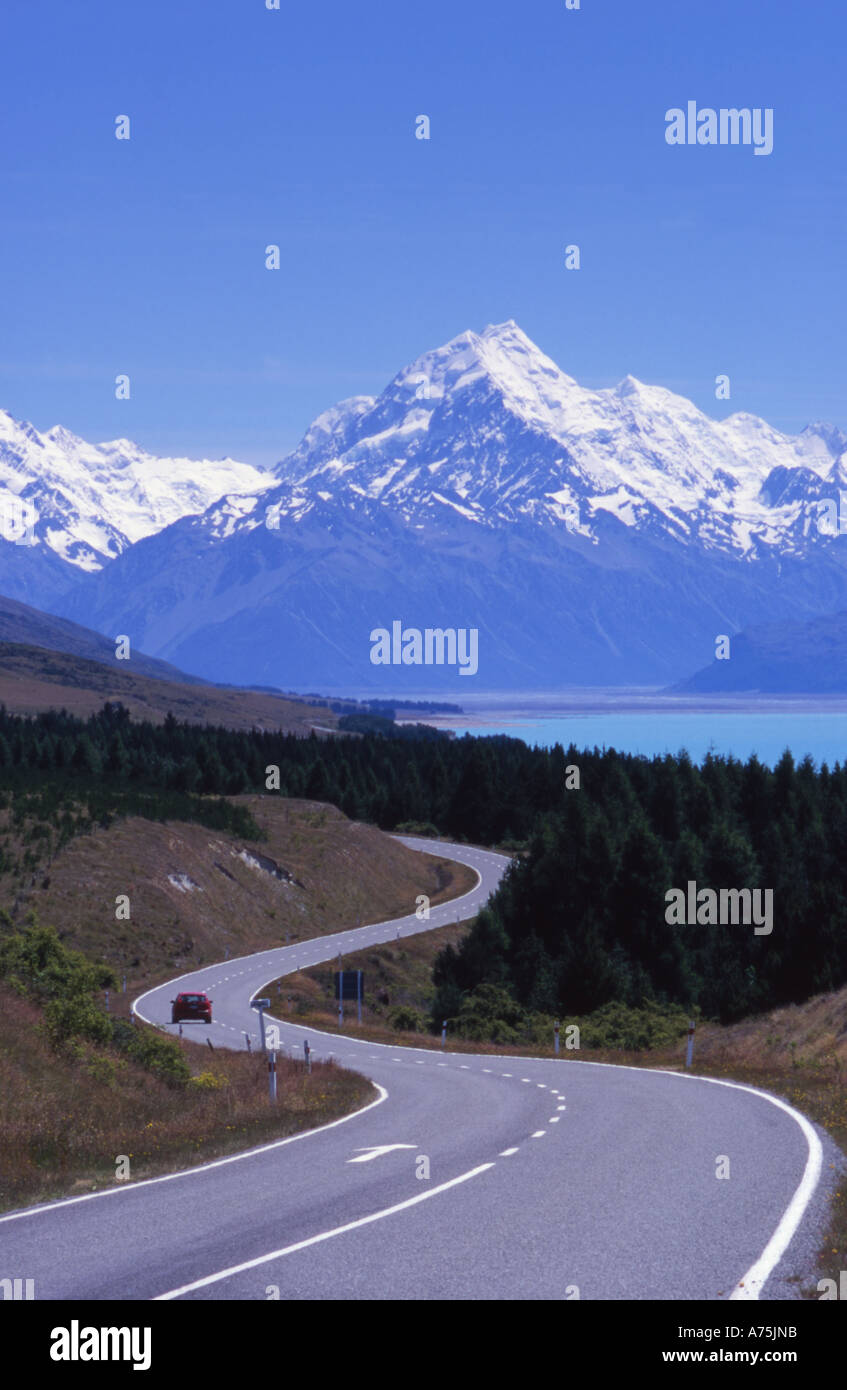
<point x="201" y="1167"/>
<point x="315" y="1240"/>
<point x="751" y="1285"/>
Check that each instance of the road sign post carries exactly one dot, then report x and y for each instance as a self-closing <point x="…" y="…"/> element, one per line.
<point x="690" y="1050"/>
<point x="349" y="984"/>
<point x="556" y="1037"/>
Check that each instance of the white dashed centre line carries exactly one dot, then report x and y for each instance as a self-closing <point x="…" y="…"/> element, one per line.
<point x="507" y="1153"/>
<point x="539" y="1133"/>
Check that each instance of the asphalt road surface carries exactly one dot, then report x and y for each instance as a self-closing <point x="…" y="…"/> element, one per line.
<point x="467" y="1177"/>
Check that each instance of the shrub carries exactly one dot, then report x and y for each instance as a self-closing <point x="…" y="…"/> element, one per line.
<point x="207" y="1081"/>
<point x="75" y="1017"/>
<point x="424" y="828"/>
<point x="159" y="1055"/>
<point x="490" y="1014"/>
<point x="37" y="960"/>
<point x="407" y="1019"/>
<point x="621" y="1026"/>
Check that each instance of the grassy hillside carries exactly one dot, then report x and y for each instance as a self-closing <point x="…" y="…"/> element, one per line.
<point x="194" y="893"/>
<point x="68" y="1114"/>
<point x="33" y="679"/>
<point x="71" y="1101"/>
<point x="19" y="623"/>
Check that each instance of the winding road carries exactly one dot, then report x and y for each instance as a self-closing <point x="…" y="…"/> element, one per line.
<point x="468" y="1176"/>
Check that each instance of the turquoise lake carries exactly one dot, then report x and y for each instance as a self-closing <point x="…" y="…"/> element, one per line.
<point x="822" y="734"/>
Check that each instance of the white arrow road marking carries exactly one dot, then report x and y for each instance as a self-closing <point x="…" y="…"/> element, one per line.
<point x="377" y="1150"/>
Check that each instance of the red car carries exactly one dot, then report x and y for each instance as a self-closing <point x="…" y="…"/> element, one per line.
<point x="197" y="1006"/>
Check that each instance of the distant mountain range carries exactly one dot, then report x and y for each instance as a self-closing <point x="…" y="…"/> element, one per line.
<point x="592" y="537"/>
<point x="79" y="505"/>
<point x="780" y="658"/>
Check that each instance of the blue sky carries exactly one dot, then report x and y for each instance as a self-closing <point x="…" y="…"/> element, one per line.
<point x="297" y="127"/>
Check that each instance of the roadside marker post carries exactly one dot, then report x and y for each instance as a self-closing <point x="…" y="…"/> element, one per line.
<point x="556" y="1037"/>
<point x="358" y="993"/>
<point x="247" y="1038"/>
<point x="107" y="1001"/>
<point x="690" y="1050"/>
<point x="308" y="1052"/>
<point x="443" y="1032"/>
<point x="261" y="1005"/>
<point x="272" y="1075"/>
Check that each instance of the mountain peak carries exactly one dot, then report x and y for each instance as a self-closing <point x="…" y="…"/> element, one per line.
<point x="57" y="434"/>
<point x="503" y="355"/>
<point x="506" y="332"/>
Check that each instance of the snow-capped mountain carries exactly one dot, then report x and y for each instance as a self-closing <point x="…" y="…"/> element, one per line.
<point x="592" y="537"/>
<point x="490" y="427"/>
<point x="86" y="503"/>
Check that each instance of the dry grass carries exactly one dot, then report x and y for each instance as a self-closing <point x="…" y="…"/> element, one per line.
<point x="66" y="1118"/>
<point x="33" y="680"/>
<point x="342" y="873"/>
